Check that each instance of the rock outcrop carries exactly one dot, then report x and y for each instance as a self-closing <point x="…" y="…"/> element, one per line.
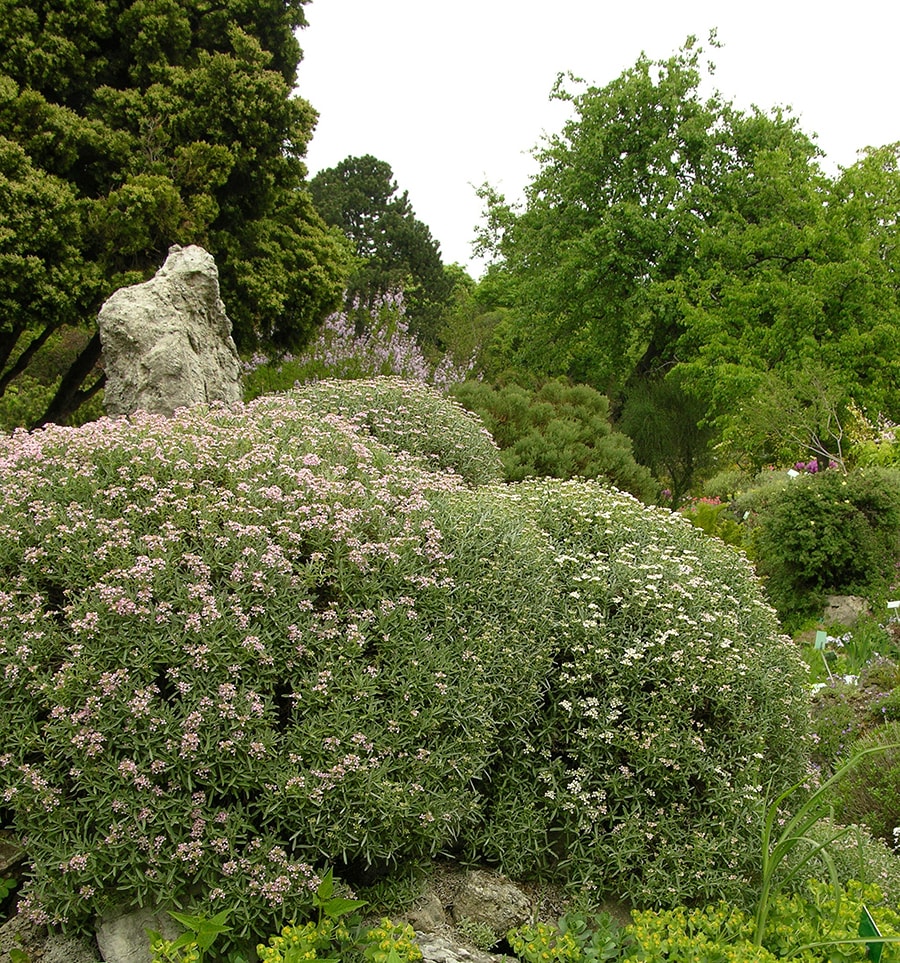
<point x="167" y="342"/>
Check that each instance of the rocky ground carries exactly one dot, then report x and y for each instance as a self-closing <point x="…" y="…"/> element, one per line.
<point x="459" y="914"/>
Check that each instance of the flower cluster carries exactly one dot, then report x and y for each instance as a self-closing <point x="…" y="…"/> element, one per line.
<point x="674" y="703"/>
<point x="361" y="341"/>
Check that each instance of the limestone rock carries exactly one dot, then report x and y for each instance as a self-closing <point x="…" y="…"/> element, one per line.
<point x="445" y="947"/>
<point x="428" y="915"/>
<point x="122" y="936"/>
<point x="167" y="342"/>
<point x="845" y="610"/>
<point x="39" y="946"/>
<point x="492" y="900"/>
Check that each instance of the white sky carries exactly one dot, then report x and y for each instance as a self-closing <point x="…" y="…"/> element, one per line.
<point x="452" y="94"/>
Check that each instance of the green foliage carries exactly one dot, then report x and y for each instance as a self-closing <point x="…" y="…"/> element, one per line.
<point x="710" y="516"/>
<point x="870" y="794"/>
<point x="478" y="934"/>
<point x="264" y="637"/>
<point x="394" y="249"/>
<point x="829" y="532"/>
<point x="839" y="715"/>
<point x="388" y="942"/>
<point x="7" y="885"/>
<point x="666" y="425"/>
<point x="802" y="928"/>
<point x="128" y="130"/>
<point x="556" y="430"/>
<point x="409" y="416"/>
<point x="576" y="937"/>
<point x="854" y="855"/>
<point x="200" y="932"/>
<point x="675" y="699"/>
<point x="667" y="233"/>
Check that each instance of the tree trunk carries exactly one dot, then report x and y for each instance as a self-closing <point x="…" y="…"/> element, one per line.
<point x="69" y="396"/>
<point x="23" y="359"/>
<point x="8" y="341"/>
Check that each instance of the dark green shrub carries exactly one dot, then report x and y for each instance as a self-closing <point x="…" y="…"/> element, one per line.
<point x="870" y="793"/>
<point x="557" y="431"/>
<point x="829" y="532"/>
<point x="413" y="417"/>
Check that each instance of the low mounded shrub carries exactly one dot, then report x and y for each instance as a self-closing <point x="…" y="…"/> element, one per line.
<point x="409" y="416"/>
<point x="557" y="431"/>
<point x="855" y="855"/>
<point x="245" y="643"/>
<point x="673" y="703"/>
<point x="241" y="644"/>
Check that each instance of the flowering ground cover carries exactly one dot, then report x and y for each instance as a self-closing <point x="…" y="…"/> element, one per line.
<point x="245" y="644"/>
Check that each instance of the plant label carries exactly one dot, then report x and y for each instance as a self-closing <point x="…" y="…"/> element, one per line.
<point x="867" y="927"/>
<point x="821" y="639"/>
<point x="894" y="605"/>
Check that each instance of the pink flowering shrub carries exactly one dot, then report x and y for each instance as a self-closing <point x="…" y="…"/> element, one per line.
<point x="409" y="416"/>
<point x="241" y="644"/>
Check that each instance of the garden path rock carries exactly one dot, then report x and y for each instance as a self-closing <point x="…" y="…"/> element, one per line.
<point x="167" y="342"/>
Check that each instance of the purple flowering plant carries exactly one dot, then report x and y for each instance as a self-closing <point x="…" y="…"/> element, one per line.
<point x="363" y="340"/>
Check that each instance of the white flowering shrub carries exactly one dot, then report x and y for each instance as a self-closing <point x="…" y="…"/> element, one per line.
<point x="409" y="416"/>
<point x="673" y="708"/>
<point x="243" y="644"/>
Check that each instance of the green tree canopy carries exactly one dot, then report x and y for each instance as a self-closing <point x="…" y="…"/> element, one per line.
<point x="155" y="122"/>
<point x="668" y="232"/>
<point x="394" y="248"/>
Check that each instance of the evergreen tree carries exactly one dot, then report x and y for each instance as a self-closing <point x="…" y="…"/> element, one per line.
<point x="394" y="248"/>
<point x="131" y="125"/>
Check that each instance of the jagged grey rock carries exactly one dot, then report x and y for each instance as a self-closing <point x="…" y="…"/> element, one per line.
<point x="492" y="900"/>
<point x="445" y="947"/>
<point x="122" y="935"/>
<point x="167" y="342"/>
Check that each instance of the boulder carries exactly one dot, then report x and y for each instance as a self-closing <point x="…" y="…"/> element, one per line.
<point x="122" y="934"/>
<point x="490" y="899"/>
<point x="167" y="342"/>
<point x="844" y="610"/>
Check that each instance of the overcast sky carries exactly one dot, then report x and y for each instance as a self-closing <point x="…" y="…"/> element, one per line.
<point x="452" y="94"/>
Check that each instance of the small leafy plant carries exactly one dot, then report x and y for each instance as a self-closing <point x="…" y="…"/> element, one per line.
<point x="332" y="937"/>
<point x="576" y="937"/>
<point x="191" y="947"/>
<point x="7" y="885"/>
